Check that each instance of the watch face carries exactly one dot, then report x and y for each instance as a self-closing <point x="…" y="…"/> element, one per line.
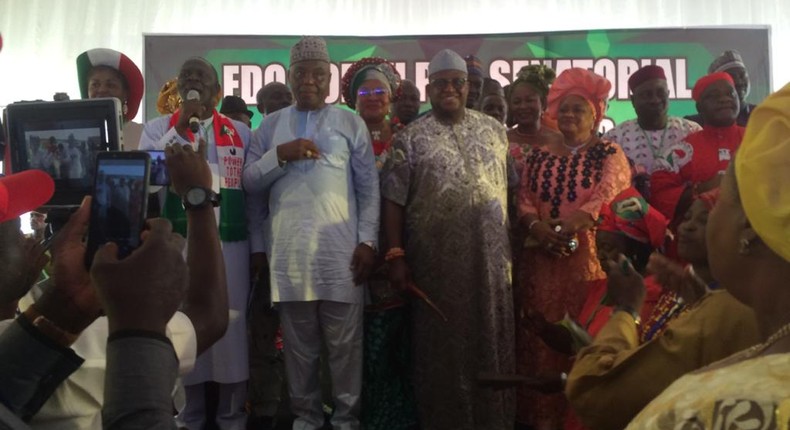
<point x="196" y="196"/>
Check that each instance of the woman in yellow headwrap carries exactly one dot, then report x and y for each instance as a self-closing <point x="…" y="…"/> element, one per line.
<point x="748" y="235"/>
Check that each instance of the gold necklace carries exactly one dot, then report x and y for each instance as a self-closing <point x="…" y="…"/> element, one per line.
<point x="783" y="331"/>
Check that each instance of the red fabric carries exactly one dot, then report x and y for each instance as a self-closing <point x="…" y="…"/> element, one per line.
<point x="225" y="133"/>
<point x="632" y="216"/>
<point x="580" y="82"/>
<point x="712" y="149"/>
<point x="709" y="198"/>
<point x="704" y="82"/>
<point x="380" y="146"/>
<point x="23" y="192"/>
<point x="594" y="316"/>
<point x="645" y="74"/>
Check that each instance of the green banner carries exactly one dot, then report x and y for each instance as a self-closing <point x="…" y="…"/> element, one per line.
<point x="246" y="63"/>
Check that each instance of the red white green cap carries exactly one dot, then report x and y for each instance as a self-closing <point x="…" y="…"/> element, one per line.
<point x="118" y="61"/>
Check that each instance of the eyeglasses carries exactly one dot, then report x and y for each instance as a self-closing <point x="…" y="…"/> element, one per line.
<point x="319" y="75"/>
<point x="441" y="83"/>
<point x="364" y="92"/>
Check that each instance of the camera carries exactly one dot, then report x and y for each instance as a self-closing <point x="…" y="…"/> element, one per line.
<point x="62" y="139"/>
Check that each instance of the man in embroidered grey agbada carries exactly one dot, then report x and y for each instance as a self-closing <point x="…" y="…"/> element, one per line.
<point x="445" y="217"/>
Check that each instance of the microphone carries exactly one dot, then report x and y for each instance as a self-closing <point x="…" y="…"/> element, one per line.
<point x="194" y="120"/>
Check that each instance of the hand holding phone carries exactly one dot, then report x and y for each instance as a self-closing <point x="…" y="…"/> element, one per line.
<point x="143" y="291"/>
<point x="71" y="302"/>
<point x="119" y="203"/>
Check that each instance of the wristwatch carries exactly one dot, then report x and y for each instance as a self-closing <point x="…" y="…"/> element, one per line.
<point x="199" y="197"/>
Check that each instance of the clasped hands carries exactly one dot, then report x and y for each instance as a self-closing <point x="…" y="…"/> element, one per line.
<point x="299" y="149"/>
<point x="558" y="237"/>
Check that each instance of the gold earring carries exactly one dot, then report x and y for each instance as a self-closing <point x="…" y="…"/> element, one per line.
<point x="743" y="249"/>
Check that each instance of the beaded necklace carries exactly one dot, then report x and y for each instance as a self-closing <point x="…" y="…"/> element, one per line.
<point x="669" y="307"/>
<point x="656" y="151"/>
<point x="553" y="186"/>
<point x="783" y="331"/>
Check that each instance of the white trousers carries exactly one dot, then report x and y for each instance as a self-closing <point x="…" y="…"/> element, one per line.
<point x="230" y="408"/>
<point x="340" y="324"/>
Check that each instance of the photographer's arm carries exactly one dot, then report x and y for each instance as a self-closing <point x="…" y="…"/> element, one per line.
<point x="139" y="295"/>
<point x="34" y="351"/>
<point x="21" y="262"/>
<point x="206" y="299"/>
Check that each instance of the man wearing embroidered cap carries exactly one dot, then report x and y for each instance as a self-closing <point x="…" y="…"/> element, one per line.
<point x="643" y="139"/>
<point x="226" y="142"/>
<point x="445" y="217"/>
<point x="108" y="73"/>
<point x="695" y="164"/>
<point x="730" y="62"/>
<point x="316" y="195"/>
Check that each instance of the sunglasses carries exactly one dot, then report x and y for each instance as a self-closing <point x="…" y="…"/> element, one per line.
<point x="441" y="83"/>
<point x="364" y="92"/>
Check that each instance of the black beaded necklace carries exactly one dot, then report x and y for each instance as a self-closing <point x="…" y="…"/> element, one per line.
<point x="540" y="168"/>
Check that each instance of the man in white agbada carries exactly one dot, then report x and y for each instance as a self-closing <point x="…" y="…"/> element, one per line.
<point x="648" y="137"/>
<point x="225" y="362"/>
<point x="312" y="169"/>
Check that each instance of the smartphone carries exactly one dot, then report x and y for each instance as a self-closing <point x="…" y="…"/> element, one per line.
<point x="159" y="173"/>
<point x="120" y="200"/>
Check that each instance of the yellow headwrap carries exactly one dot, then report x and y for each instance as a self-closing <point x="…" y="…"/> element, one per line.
<point x="762" y="169"/>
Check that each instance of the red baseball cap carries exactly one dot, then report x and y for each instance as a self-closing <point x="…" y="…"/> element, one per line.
<point x="23" y="192"/>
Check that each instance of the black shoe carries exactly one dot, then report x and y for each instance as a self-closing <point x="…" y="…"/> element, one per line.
<point x="260" y="423"/>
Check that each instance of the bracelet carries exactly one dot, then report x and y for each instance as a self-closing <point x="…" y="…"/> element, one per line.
<point x="532" y="224"/>
<point x="49" y="328"/>
<point x="631" y="311"/>
<point x="394" y="253"/>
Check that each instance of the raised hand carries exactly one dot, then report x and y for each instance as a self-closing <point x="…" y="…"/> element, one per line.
<point x="142" y="291"/>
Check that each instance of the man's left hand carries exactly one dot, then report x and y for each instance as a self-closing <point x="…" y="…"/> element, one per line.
<point x="71" y="301"/>
<point x="362" y="263"/>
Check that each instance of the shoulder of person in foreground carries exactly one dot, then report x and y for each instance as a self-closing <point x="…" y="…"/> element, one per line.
<point x="140" y="294"/>
<point x="614" y="371"/>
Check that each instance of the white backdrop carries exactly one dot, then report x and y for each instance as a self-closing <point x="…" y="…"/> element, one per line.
<point x="41" y="38"/>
